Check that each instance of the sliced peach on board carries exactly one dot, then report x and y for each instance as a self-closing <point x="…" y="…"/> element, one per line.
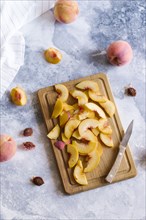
<point x="95" y="131"/>
<point x="74" y="155"/>
<point x="97" y="97"/>
<point x="65" y="139"/>
<point x="93" y="161"/>
<point x="79" y="175"/>
<point x="88" y="85"/>
<point x="80" y="96"/>
<point x="70" y="126"/>
<point x="76" y="135"/>
<point x="87" y="124"/>
<point x="84" y="148"/>
<point x="62" y="91"/>
<point x="109" y="107"/>
<point x="64" y="117"/>
<point x="58" y="108"/>
<point x="93" y="107"/>
<point x="104" y="126"/>
<point x="54" y="133"/>
<point x="86" y="114"/>
<point x="89" y="136"/>
<point x="107" y="139"/>
<point x="67" y="107"/>
<point x="75" y="106"/>
<point x="100" y="149"/>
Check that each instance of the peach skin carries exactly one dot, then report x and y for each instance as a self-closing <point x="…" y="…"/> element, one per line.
<point x="7" y="147"/>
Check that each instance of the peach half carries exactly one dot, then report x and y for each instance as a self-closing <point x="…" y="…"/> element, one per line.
<point x="53" y="55"/>
<point x="18" y="96"/>
<point x="7" y="147"/>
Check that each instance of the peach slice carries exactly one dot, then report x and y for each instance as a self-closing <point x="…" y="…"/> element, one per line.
<point x="74" y="155"/>
<point x="97" y="97"/>
<point x="58" y="108"/>
<point x="65" y="139"/>
<point x="93" y="107"/>
<point x="70" y="126"/>
<point x="89" y="136"/>
<point x="107" y="139"/>
<point x="64" y="117"/>
<point x="86" y="114"/>
<point x="18" y="96"/>
<point x="76" y="135"/>
<point x="54" y="133"/>
<point x="75" y="106"/>
<point x="93" y="161"/>
<point x="104" y="126"/>
<point x="60" y="145"/>
<point x="81" y="96"/>
<point x="62" y="91"/>
<point x="87" y="124"/>
<point x="88" y="84"/>
<point x="84" y="148"/>
<point x="53" y="55"/>
<point x="95" y="131"/>
<point x="100" y="149"/>
<point x="67" y="107"/>
<point x="109" y="107"/>
<point x="79" y="175"/>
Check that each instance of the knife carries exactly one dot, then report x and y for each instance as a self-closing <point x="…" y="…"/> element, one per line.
<point x="120" y="155"/>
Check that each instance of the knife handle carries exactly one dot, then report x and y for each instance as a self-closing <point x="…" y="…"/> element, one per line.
<point x="116" y="165"/>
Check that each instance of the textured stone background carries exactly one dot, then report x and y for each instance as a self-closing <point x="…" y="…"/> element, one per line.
<point x="99" y="23"/>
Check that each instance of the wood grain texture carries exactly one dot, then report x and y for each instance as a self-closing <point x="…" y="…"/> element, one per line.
<point x="47" y="98"/>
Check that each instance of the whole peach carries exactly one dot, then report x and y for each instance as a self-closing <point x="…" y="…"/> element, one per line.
<point x="66" y="11"/>
<point x="119" y="53"/>
<point x="7" y="147"/>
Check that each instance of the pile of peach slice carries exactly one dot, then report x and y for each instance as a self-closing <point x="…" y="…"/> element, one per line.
<point x="82" y="127"/>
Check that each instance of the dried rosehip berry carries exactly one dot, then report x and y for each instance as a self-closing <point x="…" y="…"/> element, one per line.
<point x="27" y="132"/>
<point x="28" y="145"/>
<point x="131" y="91"/>
<point x="38" y="181"/>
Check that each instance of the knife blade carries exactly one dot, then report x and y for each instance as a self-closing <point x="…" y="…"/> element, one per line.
<point x="127" y="134"/>
<point x="121" y="152"/>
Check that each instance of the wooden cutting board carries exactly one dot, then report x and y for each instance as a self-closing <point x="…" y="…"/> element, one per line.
<point x="96" y="178"/>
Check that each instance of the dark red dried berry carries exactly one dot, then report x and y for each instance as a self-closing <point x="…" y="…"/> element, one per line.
<point x="38" y="181"/>
<point x="28" y="145"/>
<point x="131" y="91"/>
<point x="27" y="132"/>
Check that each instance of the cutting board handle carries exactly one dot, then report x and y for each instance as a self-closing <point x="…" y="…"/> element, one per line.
<point x="116" y="165"/>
